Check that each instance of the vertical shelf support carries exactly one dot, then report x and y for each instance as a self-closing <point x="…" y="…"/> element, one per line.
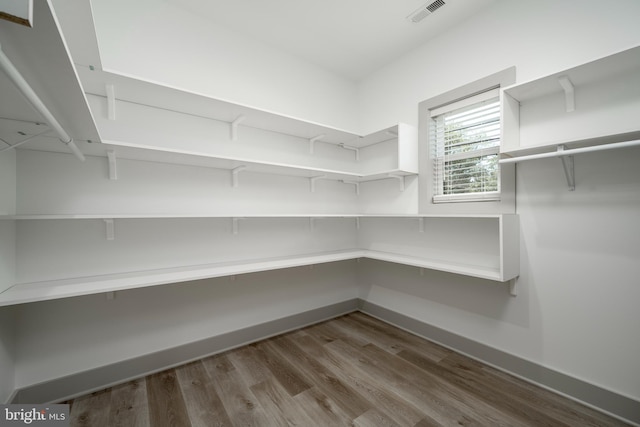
<point x="312" y="142"/>
<point x="513" y="290"/>
<point x="312" y="224"/>
<point x="421" y="224"/>
<point x="354" y="183"/>
<point x="111" y="101"/>
<point x="569" y="170"/>
<point x="400" y="179"/>
<point x="113" y="169"/>
<point x="234" y="224"/>
<point x="357" y="223"/>
<point x="110" y="229"/>
<point x="569" y="93"/>
<point x="234" y="175"/>
<point x="356" y="149"/>
<point x="234" y="127"/>
<point x="312" y="182"/>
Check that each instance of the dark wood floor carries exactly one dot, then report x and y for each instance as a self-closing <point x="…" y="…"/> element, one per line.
<point x="350" y="371"/>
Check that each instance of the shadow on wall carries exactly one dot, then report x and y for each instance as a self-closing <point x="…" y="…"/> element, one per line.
<point x="388" y="284"/>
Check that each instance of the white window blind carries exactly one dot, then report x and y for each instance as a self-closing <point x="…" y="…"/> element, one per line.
<point x="465" y="144"/>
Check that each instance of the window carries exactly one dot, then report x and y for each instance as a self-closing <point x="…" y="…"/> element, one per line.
<point x="464" y="138"/>
<point x="463" y="168"/>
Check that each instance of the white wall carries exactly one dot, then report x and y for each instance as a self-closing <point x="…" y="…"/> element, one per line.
<point x="8" y="182"/>
<point x="7" y="353"/>
<point x="576" y="309"/>
<point x="538" y="37"/>
<point x="7" y="227"/>
<point x="75" y="334"/>
<point x="56" y="183"/>
<point x="160" y="42"/>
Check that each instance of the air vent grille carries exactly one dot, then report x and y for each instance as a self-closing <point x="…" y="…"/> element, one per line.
<point x="435" y="6"/>
<point x="425" y="10"/>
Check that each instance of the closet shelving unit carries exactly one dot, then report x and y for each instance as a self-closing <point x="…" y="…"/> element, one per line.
<point x="505" y="270"/>
<point x="590" y="107"/>
<point x="223" y="135"/>
<point x="103" y="101"/>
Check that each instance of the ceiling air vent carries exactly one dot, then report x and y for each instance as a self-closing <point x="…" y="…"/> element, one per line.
<point x="425" y="10"/>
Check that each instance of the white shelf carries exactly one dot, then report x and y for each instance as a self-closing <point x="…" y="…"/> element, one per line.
<point x="176" y="156"/>
<point x="55" y="289"/>
<point x="239" y="215"/>
<point x="41" y="56"/>
<point x="465" y="270"/>
<point x="49" y="290"/>
<point x="587" y="105"/>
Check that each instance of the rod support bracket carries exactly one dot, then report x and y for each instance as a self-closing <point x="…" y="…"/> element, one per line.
<point x="513" y="290"/>
<point x="356" y="184"/>
<point x="352" y="148"/>
<point x="312" y="142"/>
<point x="569" y="93"/>
<point x="312" y="182"/>
<point x="234" y="127"/>
<point x="234" y="175"/>
<point x="113" y="167"/>
<point x="569" y="169"/>
<point x="111" y="101"/>
<point x="234" y="223"/>
<point x="110" y="232"/>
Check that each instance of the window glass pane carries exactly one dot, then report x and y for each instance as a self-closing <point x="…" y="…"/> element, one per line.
<point x="465" y="143"/>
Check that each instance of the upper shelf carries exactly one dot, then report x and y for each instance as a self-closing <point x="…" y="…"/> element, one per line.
<point x="243" y="215"/>
<point x="603" y="69"/>
<point x="145" y="92"/>
<point x="591" y="104"/>
<point x="41" y="57"/>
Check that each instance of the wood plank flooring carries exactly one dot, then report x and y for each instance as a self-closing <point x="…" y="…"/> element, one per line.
<point x="351" y="371"/>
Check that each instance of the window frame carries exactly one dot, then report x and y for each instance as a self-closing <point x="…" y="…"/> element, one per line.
<point x="467" y="204"/>
<point x="440" y="158"/>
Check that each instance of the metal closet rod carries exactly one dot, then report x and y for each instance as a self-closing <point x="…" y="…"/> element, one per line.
<point x="22" y="85"/>
<point x="570" y="152"/>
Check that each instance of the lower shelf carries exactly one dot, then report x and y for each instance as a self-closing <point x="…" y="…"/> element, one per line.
<point x="67" y="288"/>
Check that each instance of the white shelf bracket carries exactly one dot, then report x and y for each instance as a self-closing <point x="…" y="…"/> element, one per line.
<point x="400" y="179"/>
<point x="234" y="127"/>
<point x="312" y="142"/>
<point x="422" y="271"/>
<point x="312" y="182"/>
<point x="357" y="223"/>
<point x="110" y="296"/>
<point x="569" y="93"/>
<point x="110" y="231"/>
<point x="312" y="224"/>
<point x="113" y="167"/>
<point x="234" y="224"/>
<point x="568" y="166"/>
<point x="354" y="183"/>
<point x="421" y="225"/>
<point x="111" y="101"/>
<point x="513" y="290"/>
<point x="234" y="175"/>
<point x="355" y="149"/>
